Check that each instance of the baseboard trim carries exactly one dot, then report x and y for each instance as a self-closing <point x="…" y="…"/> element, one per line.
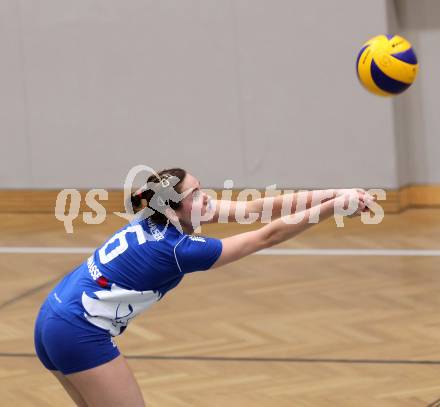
<point x="43" y="201"/>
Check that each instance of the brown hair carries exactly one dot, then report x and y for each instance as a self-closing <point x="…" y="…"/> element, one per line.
<point x="136" y="199"/>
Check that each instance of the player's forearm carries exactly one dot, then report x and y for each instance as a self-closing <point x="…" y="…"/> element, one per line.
<point x="272" y="207"/>
<point x="312" y="198"/>
<point x="289" y="226"/>
<point x="289" y="203"/>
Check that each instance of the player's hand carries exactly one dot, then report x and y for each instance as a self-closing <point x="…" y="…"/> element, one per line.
<point x="366" y="198"/>
<point x="352" y="198"/>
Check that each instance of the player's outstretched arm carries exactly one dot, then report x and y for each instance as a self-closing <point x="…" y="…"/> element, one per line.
<point x="275" y="206"/>
<point x="279" y="230"/>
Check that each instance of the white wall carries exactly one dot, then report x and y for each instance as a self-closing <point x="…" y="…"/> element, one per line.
<point x="306" y="120"/>
<point x="260" y="91"/>
<point x="15" y="151"/>
<point x="417" y="118"/>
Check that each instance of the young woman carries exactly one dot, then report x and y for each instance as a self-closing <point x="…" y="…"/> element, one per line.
<point x="138" y="265"/>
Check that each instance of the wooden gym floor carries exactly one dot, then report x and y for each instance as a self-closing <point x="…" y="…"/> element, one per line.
<point x="279" y="330"/>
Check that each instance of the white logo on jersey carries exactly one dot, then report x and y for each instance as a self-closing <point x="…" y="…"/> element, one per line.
<point x="197" y="239"/>
<point x="116" y="307"/>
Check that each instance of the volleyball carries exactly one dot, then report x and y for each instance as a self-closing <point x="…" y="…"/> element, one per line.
<point x="387" y="65"/>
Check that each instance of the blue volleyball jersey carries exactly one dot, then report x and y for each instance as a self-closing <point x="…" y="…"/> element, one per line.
<point x="132" y="270"/>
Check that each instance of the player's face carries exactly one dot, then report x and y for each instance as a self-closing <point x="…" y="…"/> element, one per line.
<point x="195" y="201"/>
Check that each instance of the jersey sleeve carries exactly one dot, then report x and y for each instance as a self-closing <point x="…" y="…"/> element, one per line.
<point x="195" y="253"/>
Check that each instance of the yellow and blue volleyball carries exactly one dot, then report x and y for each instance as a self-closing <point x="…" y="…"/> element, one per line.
<point x="387" y="65"/>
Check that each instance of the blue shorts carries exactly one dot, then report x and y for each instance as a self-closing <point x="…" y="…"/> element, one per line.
<point x="69" y="348"/>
